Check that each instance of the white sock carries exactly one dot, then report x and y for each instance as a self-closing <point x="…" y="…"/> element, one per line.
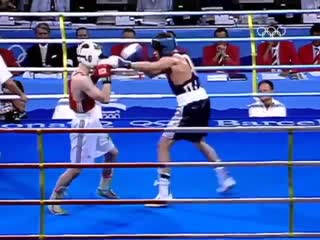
<point x="164" y="187"/>
<point x="164" y="183"/>
<point x="221" y="174"/>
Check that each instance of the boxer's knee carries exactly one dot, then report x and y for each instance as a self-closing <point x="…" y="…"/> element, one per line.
<point x="114" y="152"/>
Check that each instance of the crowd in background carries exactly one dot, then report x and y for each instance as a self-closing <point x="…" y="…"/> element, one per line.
<point x="160" y="5"/>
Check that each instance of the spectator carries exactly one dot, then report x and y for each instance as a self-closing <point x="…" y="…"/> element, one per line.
<point x="310" y="53"/>
<point x="154" y="5"/>
<point x="267" y="106"/>
<point x="7" y="5"/>
<point x="44" y="55"/>
<point x="129" y="33"/>
<point x="277" y="52"/>
<point x="81" y="33"/>
<point x="222" y="53"/>
<point x="48" y="6"/>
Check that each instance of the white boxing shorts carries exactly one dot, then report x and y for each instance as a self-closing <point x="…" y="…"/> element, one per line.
<point x="86" y="147"/>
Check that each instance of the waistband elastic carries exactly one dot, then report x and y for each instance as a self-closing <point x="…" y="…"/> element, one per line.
<point x="193" y="96"/>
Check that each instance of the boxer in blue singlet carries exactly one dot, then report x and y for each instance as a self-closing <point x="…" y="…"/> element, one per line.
<point x="193" y="108"/>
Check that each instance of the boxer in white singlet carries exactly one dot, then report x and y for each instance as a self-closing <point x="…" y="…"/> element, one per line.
<point x="86" y="147"/>
<point x="193" y="106"/>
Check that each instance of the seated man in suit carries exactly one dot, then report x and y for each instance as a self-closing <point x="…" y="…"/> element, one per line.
<point x="277" y="52"/>
<point x="221" y="53"/>
<point x="309" y="54"/>
<point x="44" y="55"/>
<point x="81" y="33"/>
<point x="129" y="33"/>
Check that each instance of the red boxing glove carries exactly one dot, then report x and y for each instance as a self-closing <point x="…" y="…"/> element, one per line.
<point x="103" y="71"/>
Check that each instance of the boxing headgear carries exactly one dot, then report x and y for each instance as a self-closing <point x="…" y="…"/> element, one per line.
<point x="165" y="46"/>
<point x="89" y="53"/>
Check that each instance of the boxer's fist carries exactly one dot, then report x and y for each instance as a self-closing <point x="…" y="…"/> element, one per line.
<point x="118" y="62"/>
<point x="103" y="71"/>
<point x="132" y="52"/>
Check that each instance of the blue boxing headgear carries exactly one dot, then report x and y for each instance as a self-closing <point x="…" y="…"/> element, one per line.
<point x="165" y="46"/>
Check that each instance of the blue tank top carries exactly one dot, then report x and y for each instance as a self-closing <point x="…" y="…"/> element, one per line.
<point x="188" y="86"/>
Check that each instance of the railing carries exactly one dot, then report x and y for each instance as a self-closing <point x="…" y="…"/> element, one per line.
<point x="291" y="200"/>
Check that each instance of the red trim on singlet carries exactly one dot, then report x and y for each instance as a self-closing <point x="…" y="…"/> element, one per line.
<point x="87" y="102"/>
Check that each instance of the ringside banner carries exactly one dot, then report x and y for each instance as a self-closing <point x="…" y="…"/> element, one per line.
<point x="151" y="123"/>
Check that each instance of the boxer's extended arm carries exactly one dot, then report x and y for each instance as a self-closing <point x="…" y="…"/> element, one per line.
<point x="154" y="67"/>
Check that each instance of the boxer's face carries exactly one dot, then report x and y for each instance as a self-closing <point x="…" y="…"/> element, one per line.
<point x="156" y="55"/>
<point x="265" y="88"/>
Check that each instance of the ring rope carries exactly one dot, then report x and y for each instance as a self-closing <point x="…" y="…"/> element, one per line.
<point x="167" y="129"/>
<point x="148" y="40"/>
<point x="159" y="165"/>
<point x="246" y="67"/>
<point x="33" y="202"/>
<point x="64" y="53"/>
<point x="253" y="55"/>
<point x="143" y="14"/>
<point x="156" y="96"/>
<point x="169" y="236"/>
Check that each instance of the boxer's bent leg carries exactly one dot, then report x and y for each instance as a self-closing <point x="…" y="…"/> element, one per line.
<point x="82" y="151"/>
<point x="106" y="148"/>
<point x="200" y="117"/>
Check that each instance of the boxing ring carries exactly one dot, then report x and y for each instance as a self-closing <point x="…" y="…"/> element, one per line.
<point x="204" y="216"/>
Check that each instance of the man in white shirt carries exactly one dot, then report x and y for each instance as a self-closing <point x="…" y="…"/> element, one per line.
<point x="267" y="106"/>
<point x="7" y="111"/>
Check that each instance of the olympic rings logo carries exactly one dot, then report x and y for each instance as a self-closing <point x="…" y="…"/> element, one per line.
<point x="271" y="31"/>
<point x="18" y="51"/>
<point x="147" y="123"/>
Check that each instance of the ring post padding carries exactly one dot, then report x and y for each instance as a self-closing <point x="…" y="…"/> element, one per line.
<point x="42" y="185"/>
<point x="64" y="53"/>
<point x="253" y="54"/>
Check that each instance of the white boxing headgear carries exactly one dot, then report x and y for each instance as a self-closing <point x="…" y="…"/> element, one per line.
<point x="89" y="53"/>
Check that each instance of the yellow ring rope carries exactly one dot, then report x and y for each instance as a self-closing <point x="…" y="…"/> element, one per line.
<point x="64" y="54"/>
<point x="253" y="54"/>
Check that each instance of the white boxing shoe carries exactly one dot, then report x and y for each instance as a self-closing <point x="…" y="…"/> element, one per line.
<point x="159" y="205"/>
<point x="226" y="185"/>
